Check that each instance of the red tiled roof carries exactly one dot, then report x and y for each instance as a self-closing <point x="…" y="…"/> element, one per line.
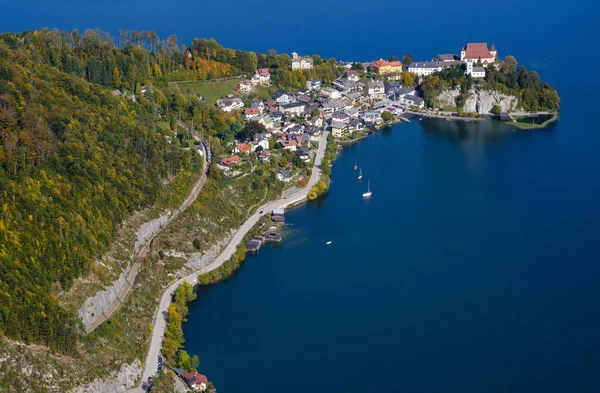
<point x="379" y="63"/>
<point x="243" y="147"/>
<point x="395" y="63"/>
<point x="229" y="161"/>
<point x="252" y="111"/>
<point x="263" y="71"/>
<point x="477" y="51"/>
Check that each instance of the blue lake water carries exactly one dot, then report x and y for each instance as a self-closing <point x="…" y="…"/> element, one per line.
<point x="475" y="265"/>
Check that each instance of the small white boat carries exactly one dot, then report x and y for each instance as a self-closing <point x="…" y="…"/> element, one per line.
<point x="328" y="243"/>
<point x="355" y="166"/>
<point x="368" y="193"/>
<point x="360" y="175"/>
<point x="420" y="118"/>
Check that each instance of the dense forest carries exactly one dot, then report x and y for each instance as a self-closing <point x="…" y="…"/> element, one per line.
<point x="508" y="78"/>
<point x="74" y="161"/>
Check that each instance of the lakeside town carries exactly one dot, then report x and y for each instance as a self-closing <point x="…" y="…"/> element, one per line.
<point x="366" y="96"/>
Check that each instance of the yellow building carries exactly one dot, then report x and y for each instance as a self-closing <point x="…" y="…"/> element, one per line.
<point x="387" y="67"/>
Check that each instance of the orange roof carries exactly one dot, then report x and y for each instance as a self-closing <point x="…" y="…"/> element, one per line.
<point x="252" y="111"/>
<point x="477" y="50"/>
<point x="243" y="147"/>
<point x="229" y="161"/>
<point x="395" y="63"/>
<point x="380" y="63"/>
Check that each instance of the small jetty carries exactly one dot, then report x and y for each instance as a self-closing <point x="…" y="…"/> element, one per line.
<point x="404" y="119"/>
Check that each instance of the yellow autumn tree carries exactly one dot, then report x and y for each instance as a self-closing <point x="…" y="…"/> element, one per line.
<point x="116" y="78"/>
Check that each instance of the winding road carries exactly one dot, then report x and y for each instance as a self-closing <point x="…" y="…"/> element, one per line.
<point x="151" y="363"/>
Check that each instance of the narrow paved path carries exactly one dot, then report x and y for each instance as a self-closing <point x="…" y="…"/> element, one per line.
<point x="151" y="363"/>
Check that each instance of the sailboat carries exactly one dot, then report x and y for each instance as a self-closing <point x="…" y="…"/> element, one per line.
<point x="355" y="166"/>
<point x="368" y="193"/>
<point x="360" y="175"/>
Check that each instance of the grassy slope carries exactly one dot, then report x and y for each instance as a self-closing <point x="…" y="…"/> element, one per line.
<point x="212" y="91"/>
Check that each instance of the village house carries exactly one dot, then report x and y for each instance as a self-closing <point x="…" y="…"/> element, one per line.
<point x="372" y="117"/>
<point x="474" y="52"/>
<point x="352" y="112"/>
<point x="295" y="108"/>
<point x="424" y="68"/>
<point x="301" y="63"/>
<point x="264" y="156"/>
<point x="313" y="84"/>
<point x="267" y="121"/>
<point x="355" y="125"/>
<point x="228" y="163"/>
<point x="352" y="76"/>
<point x="245" y="86"/>
<point x="243" y="148"/>
<point x="317" y="121"/>
<point x="263" y="76"/>
<point x="475" y="72"/>
<point x="195" y="381"/>
<point x="284" y="175"/>
<point x="331" y="106"/>
<point x="356" y="96"/>
<point x="391" y="88"/>
<point x="346" y="86"/>
<point x="375" y="89"/>
<point x="330" y="93"/>
<point x="315" y="134"/>
<point x="384" y="67"/>
<point x="230" y="104"/>
<point x="260" y="142"/>
<point x="290" y="145"/>
<point x="412" y="100"/>
<point x="340" y="117"/>
<point x="303" y="154"/>
<point x="281" y="97"/>
<point x="338" y="130"/>
<point x="258" y="104"/>
<point x="251" y="113"/>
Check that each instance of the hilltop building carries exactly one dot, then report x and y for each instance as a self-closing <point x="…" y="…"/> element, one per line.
<point x="301" y="63"/>
<point x="474" y="52"/>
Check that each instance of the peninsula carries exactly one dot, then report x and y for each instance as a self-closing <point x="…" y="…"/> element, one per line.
<point x="131" y="165"/>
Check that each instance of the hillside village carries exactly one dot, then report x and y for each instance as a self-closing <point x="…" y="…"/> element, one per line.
<point x="292" y="121"/>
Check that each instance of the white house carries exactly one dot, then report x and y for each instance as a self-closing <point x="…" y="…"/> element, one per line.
<point x="281" y="97"/>
<point x="474" y="52"/>
<point x="301" y="63"/>
<point x="245" y="86"/>
<point x="230" y="104"/>
<point x="251" y="113"/>
<point x="284" y="175"/>
<point x="424" y="68"/>
<point x="264" y="143"/>
<point x="295" y="108"/>
<point x="263" y="76"/>
<point x="352" y="76"/>
<point x="412" y="100"/>
<point x="375" y="89"/>
<point x="475" y="72"/>
<point x="372" y="117"/>
<point x="313" y="84"/>
<point x="330" y="93"/>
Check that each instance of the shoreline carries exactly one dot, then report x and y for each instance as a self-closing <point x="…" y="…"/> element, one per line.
<point x="159" y="325"/>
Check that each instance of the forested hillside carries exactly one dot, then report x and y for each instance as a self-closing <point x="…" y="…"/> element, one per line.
<point x="74" y="160"/>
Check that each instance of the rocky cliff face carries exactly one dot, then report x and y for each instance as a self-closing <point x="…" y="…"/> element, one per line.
<point x="480" y="101"/>
<point x="99" y="303"/>
<point x="117" y="382"/>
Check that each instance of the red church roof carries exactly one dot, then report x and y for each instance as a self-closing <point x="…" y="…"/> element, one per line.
<point x="477" y="51"/>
